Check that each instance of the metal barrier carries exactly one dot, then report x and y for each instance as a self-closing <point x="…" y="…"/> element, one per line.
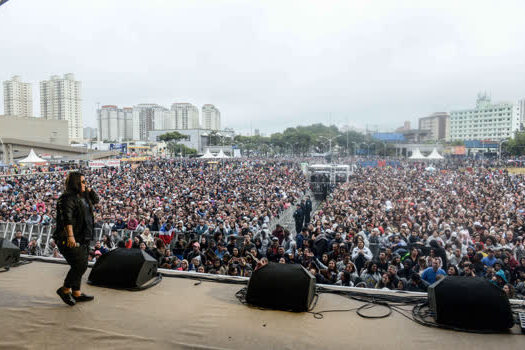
<point x="43" y="234"/>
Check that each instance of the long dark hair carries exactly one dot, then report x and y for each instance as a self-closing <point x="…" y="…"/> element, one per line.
<point x="73" y="183"/>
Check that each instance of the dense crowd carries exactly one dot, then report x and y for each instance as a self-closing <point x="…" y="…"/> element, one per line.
<point x="164" y="197"/>
<point x="404" y="228"/>
<point x="396" y="228"/>
<point x="164" y="194"/>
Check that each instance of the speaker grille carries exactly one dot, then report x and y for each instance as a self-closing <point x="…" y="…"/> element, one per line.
<point x="282" y="287"/>
<point x="470" y="303"/>
<point x="123" y="268"/>
<point x="9" y="253"/>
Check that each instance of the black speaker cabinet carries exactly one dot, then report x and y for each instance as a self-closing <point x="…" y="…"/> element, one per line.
<point x="470" y="303"/>
<point x="9" y="253"/>
<point x="123" y="268"/>
<point x="282" y="287"/>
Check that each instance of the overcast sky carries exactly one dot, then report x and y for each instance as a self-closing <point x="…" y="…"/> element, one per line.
<point x="272" y="64"/>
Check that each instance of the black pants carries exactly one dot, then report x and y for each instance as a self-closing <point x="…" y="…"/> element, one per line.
<point x="298" y="225"/>
<point x="77" y="258"/>
<point x="306" y="219"/>
<point x="359" y="263"/>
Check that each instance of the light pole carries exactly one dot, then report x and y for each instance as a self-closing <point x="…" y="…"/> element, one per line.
<point x="329" y="139"/>
<point x="355" y="148"/>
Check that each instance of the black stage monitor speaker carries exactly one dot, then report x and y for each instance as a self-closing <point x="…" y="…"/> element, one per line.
<point x="9" y="253"/>
<point x="282" y="287"/>
<point x="123" y="268"/>
<point x="470" y="303"/>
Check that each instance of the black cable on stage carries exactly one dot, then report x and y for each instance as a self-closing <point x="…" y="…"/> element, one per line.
<point x="241" y="296"/>
<point x="420" y="309"/>
<point x="320" y="314"/>
<point x="420" y="316"/>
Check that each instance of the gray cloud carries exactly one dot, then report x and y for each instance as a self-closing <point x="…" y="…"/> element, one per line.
<point x="272" y="64"/>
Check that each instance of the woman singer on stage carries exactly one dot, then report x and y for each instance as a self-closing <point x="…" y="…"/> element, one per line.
<point x="73" y="233"/>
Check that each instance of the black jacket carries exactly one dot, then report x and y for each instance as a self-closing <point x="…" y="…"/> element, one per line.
<point x="23" y="243"/>
<point x="69" y="212"/>
<point x="307" y="207"/>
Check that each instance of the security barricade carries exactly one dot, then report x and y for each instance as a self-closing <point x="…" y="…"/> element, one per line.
<point x="43" y="234"/>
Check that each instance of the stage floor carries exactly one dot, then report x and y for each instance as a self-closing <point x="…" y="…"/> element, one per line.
<point x="178" y="314"/>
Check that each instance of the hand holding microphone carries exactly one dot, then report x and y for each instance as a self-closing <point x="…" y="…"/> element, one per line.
<point x="71" y="243"/>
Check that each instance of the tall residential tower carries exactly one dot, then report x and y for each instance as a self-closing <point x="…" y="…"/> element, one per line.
<point x="211" y="117"/>
<point x="148" y="117"/>
<point x="186" y="116"/>
<point x="60" y="98"/>
<point x="18" y="98"/>
<point x="115" y="124"/>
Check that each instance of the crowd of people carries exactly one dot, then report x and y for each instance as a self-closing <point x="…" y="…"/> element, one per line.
<point x="404" y="228"/>
<point x="165" y="196"/>
<point x="398" y="228"/>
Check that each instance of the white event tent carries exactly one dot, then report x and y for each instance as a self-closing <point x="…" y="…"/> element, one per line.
<point x="221" y="155"/>
<point x="32" y="158"/>
<point x="417" y="155"/>
<point x="435" y="155"/>
<point x="207" y="155"/>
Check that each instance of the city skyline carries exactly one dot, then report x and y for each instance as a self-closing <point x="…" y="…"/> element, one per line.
<point x="271" y="66"/>
<point x="251" y="131"/>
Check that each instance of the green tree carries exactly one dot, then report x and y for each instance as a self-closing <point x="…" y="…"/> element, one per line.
<point x="172" y="139"/>
<point x="302" y="140"/>
<point x="176" y="149"/>
<point x="213" y="138"/>
<point x="515" y="146"/>
<point x="173" y="136"/>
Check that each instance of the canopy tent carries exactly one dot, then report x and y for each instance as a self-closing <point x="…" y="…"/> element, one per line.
<point x="417" y="155"/>
<point x="207" y="155"/>
<point x="32" y="158"/>
<point x="221" y="155"/>
<point x="435" y="155"/>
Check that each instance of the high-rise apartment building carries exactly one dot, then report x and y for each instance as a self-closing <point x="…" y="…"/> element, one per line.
<point x="211" y="117"/>
<point x="437" y="124"/>
<point x="18" y="98"/>
<point x="186" y="116"/>
<point x="487" y="121"/>
<point x="148" y="117"/>
<point x="115" y="124"/>
<point x="520" y="111"/>
<point x="127" y="119"/>
<point x="90" y="133"/>
<point x="60" y="98"/>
